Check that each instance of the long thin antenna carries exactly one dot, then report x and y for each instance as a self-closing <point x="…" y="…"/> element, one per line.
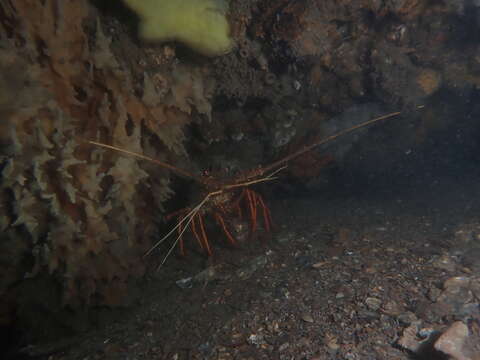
<point x="307" y="148"/>
<point x="174" y="169"/>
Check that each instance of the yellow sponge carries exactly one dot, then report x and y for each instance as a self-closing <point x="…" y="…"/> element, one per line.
<point x="199" y="24"/>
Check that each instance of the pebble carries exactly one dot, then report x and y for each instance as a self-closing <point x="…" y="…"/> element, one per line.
<point x="407" y="318"/>
<point x="255" y="339"/>
<point x="409" y="339"/>
<point x="444" y="262"/>
<point x="392" y="308"/>
<point x="254" y="265"/>
<point x="452" y="341"/>
<point x="185" y="283"/>
<point x="475" y="286"/>
<point x="373" y="303"/>
<point x="319" y="264"/>
<point x="368" y="315"/>
<point x="434" y="293"/>
<point x="307" y="318"/>
<point x="332" y="343"/>
<point x="456" y="292"/>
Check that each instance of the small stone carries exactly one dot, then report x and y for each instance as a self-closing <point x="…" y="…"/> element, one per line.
<point x="185" y="283"/>
<point x="368" y="315"/>
<point x="456" y="292"/>
<point x="475" y="287"/>
<point x="409" y="339"/>
<point x="407" y="318"/>
<point x="471" y="310"/>
<point x="456" y="282"/>
<point x="373" y="303"/>
<point x="254" y="265"/>
<point x="452" y="341"/>
<point x="319" y="264"/>
<point x="434" y="312"/>
<point x="433" y="293"/>
<point x="307" y="318"/>
<point x="466" y="234"/>
<point x="331" y="342"/>
<point x="429" y="81"/>
<point x="392" y="308"/>
<point x="256" y="339"/>
<point x="209" y="274"/>
<point x="273" y="327"/>
<point x="444" y="262"/>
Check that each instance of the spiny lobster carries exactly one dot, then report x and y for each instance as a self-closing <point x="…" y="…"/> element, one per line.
<point x="223" y="198"/>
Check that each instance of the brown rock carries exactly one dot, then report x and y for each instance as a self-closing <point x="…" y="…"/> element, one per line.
<point x="429" y="81"/>
<point x="452" y="341"/>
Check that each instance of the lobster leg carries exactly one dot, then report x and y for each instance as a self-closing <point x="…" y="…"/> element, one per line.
<point x="236" y="204"/>
<point x="221" y="222"/>
<point x="267" y="217"/>
<point x="252" y="205"/>
<point x="204" y="235"/>
<point x="239" y="210"/>
<point x="195" y="233"/>
<point x="249" y="198"/>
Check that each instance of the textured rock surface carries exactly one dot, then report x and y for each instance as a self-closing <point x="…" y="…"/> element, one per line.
<point x="77" y="212"/>
<point x="453" y="340"/>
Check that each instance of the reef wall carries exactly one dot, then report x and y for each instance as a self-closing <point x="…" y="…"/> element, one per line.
<point x="76" y="219"/>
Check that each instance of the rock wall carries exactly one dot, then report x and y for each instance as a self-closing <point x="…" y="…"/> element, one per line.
<point x="71" y="212"/>
<point x="304" y="64"/>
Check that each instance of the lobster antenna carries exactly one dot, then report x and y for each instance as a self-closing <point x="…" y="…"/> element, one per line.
<point x="307" y="148"/>
<point x="174" y="169"/>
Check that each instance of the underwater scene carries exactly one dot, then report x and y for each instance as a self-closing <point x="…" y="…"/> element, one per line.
<point x="240" y="179"/>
